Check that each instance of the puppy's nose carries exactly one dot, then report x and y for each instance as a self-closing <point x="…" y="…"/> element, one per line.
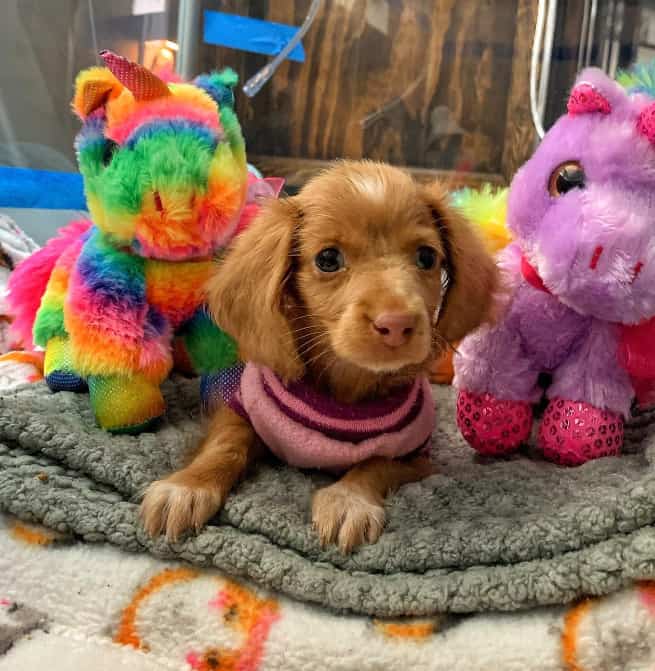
<point x="395" y="328"/>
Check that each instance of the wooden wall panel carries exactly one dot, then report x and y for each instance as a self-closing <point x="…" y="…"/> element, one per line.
<point x="425" y="83"/>
<point x="520" y="134"/>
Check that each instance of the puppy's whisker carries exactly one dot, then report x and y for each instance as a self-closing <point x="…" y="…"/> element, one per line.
<point x="307" y="350"/>
<point x="317" y="358"/>
<point x="327" y="368"/>
<point x="309" y="339"/>
<point x="303" y="329"/>
<point x="303" y="334"/>
<point x="311" y="333"/>
<point x="439" y="341"/>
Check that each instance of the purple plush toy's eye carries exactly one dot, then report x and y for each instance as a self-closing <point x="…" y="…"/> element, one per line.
<point x="566" y="176"/>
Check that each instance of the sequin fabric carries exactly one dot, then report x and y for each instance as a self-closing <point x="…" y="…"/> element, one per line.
<point x="574" y="432"/>
<point x="223" y="387"/>
<point x="493" y="427"/>
<point x="585" y="99"/>
<point x="646" y="123"/>
<point x="141" y="82"/>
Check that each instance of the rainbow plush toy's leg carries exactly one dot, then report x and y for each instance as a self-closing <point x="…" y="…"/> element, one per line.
<point x="58" y="366"/>
<point x="118" y="342"/>
<point x="49" y="329"/>
<point x="125" y="403"/>
<point x="202" y="348"/>
<point x="206" y="350"/>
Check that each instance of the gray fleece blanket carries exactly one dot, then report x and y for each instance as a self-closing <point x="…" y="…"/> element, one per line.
<point x="478" y="535"/>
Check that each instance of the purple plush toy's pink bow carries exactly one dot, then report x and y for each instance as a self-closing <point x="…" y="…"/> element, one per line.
<point x="258" y="190"/>
<point x="635" y="352"/>
<point x="636" y="356"/>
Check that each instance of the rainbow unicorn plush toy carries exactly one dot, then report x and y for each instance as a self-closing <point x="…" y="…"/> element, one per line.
<point x="117" y="300"/>
<point x="580" y="308"/>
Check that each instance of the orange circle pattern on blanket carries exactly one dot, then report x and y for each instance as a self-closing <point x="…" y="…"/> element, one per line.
<point x="592" y="629"/>
<point x="247" y="614"/>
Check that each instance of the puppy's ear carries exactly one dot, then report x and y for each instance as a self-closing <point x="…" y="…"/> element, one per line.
<point x="247" y="294"/>
<point x="471" y="275"/>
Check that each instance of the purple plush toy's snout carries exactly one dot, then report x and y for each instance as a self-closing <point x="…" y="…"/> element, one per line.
<point x="603" y="265"/>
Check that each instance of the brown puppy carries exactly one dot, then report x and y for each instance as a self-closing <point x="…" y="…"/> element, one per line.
<point x="342" y="286"/>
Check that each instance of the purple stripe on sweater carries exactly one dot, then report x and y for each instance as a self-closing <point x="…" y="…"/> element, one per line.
<point x="352" y="435"/>
<point x="330" y="407"/>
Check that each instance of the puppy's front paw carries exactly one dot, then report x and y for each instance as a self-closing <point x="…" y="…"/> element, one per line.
<point x="171" y="508"/>
<point x="347" y="515"/>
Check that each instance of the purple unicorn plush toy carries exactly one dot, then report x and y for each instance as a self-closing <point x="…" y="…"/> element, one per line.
<point x="581" y="276"/>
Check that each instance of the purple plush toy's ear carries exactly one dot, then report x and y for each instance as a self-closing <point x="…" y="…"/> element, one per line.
<point x="585" y="99"/>
<point x="595" y="93"/>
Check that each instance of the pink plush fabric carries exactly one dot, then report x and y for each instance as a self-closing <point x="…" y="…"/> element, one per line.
<point x="258" y="190"/>
<point x="28" y="282"/>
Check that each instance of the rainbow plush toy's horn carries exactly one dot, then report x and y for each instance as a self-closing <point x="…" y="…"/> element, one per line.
<point x="141" y="82"/>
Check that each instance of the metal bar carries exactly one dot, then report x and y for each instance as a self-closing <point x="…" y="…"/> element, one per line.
<point x="583" y="35"/>
<point x="592" y="28"/>
<point x="544" y="72"/>
<point x="534" y="66"/>
<point x="188" y="38"/>
<point x="607" y="36"/>
<point x="616" y="39"/>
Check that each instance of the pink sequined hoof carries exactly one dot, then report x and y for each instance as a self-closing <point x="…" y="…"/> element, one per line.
<point x="491" y="426"/>
<point x="573" y="432"/>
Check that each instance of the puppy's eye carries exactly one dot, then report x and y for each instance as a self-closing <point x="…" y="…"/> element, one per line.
<point x="426" y="258"/>
<point x="108" y="152"/>
<point x="567" y="176"/>
<point x="329" y="260"/>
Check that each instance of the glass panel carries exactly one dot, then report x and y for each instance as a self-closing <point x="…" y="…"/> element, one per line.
<point x="42" y="47"/>
<point x="440" y="86"/>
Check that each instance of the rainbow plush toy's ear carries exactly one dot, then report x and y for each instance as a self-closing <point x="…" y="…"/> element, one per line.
<point x="219" y="85"/>
<point x="93" y="88"/>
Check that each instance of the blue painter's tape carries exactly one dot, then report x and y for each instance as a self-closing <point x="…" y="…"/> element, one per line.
<point x="25" y="188"/>
<point x="246" y="34"/>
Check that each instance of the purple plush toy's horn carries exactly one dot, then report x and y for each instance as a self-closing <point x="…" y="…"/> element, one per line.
<point x="143" y="84"/>
<point x="587" y="99"/>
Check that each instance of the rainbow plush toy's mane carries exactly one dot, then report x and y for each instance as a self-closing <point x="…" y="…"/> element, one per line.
<point x="486" y="208"/>
<point x="639" y="79"/>
<point x="29" y="280"/>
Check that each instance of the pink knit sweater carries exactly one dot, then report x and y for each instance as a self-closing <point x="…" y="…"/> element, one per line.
<point x="308" y="429"/>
